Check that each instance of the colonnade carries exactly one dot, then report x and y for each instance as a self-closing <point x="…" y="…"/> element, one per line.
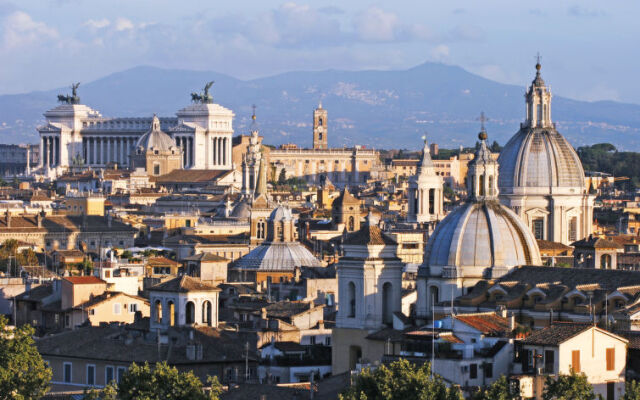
<point x="49" y="151"/>
<point x="100" y="150"/>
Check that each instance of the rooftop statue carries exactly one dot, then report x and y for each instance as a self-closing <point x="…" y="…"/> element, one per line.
<point x="205" y="97"/>
<point x="73" y="99"/>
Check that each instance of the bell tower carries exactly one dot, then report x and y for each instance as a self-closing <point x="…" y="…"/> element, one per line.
<point x="538" y="100"/>
<point x="320" y="128"/>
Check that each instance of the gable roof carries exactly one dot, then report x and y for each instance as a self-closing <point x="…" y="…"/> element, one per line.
<point x="557" y="333"/>
<point x="368" y="235"/>
<point x="184" y="284"/>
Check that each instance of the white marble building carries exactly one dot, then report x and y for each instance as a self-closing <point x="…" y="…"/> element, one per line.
<point x="541" y="176"/>
<point x="75" y="134"/>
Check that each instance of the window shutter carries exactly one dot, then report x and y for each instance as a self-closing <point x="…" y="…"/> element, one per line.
<point x="575" y="361"/>
<point x="611" y="359"/>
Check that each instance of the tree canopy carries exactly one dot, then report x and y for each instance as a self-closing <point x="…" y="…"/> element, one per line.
<point x="158" y="382"/>
<point x="604" y="157"/>
<point x="631" y="391"/>
<point x="23" y="373"/>
<point x="400" y="380"/>
<point x="498" y="390"/>
<point x="568" y="387"/>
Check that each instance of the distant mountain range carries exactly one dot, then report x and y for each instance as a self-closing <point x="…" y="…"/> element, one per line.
<point x="381" y="109"/>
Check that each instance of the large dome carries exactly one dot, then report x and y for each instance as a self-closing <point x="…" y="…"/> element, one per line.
<point x="539" y="158"/>
<point x="155" y="139"/>
<point x="482" y="234"/>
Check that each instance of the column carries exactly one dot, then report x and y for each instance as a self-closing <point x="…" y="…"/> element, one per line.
<point x="41" y="158"/>
<point x="213" y="147"/>
<point x="94" y="159"/>
<point x="191" y="149"/>
<point x="108" y="159"/>
<point x="224" y="151"/>
<point x="220" y="160"/>
<point x="45" y="154"/>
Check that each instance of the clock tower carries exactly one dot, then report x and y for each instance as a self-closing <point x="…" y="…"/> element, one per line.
<point x="320" y="128"/>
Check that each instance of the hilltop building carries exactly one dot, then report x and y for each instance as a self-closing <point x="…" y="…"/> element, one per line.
<point x="541" y="176"/>
<point x="340" y="166"/>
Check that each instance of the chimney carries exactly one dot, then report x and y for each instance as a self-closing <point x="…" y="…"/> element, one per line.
<point x="7" y="218"/>
<point x="39" y="220"/>
<point x="512" y="322"/>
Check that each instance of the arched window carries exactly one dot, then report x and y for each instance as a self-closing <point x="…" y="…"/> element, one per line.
<point x="491" y="185"/>
<point x="434" y="295"/>
<point x="432" y="201"/>
<point x="352" y="224"/>
<point x="172" y="314"/>
<point x="280" y="233"/>
<point x="158" y="311"/>
<point x="387" y="303"/>
<point x="481" y="185"/>
<point x="605" y="261"/>
<point x="351" y="296"/>
<point x="206" y="313"/>
<point x="190" y="313"/>
<point x="320" y="136"/>
<point x="320" y="121"/>
<point x="261" y="231"/>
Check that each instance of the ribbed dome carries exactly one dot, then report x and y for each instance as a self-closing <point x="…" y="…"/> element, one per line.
<point x="539" y="158"/>
<point x="482" y="234"/>
<point x="155" y="139"/>
<point x="281" y="213"/>
<point x="278" y="257"/>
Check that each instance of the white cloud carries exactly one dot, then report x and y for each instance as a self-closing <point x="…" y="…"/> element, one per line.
<point x="375" y="24"/>
<point x="440" y="52"/>
<point x="123" y="24"/>
<point x="97" y="23"/>
<point x="19" y="30"/>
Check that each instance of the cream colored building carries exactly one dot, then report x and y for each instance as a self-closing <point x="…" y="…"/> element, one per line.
<point x="346" y="166"/>
<point x="370" y="292"/>
<point x="541" y="176"/>
<point x="426" y="197"/>
<point x="582" y="348"/>
<point x="84" y="204"/>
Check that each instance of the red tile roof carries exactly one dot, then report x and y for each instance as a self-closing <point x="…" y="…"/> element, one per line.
<point x="487" y="323"/>
<point x="84" y="280"/>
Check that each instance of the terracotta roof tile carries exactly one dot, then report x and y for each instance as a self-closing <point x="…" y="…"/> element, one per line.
<point x="84" y="280"/>
<point x="487" y="323"/>
<point x="184" y="284"/>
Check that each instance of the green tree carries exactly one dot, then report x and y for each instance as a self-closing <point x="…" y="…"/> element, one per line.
<point x="282" y="178"/>
<point x="568" y="387"/>
<point x="498" y="390"/>
<point x="400" y="380"/>
<point x="86" y="266"/>
<point x="23" y="373"/>
<point x="631" y="391"/>
<point x="27" y="257"/>
<point x="7" y="251"/>
<point x="163" y="382"/>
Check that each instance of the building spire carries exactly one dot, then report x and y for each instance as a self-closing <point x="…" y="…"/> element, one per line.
<point x="261" y="185"/>
<point x="538" y="100"/>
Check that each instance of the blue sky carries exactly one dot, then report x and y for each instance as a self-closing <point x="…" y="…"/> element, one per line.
<point x="589" y="48"/>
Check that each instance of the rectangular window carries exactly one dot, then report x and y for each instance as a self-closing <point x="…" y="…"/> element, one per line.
<point x="121" y="371"/>
<point x="488" y="370"/>
<point x="327" y="341"/>
<point x="91" y="375"/>
<point x="473" y="371"/>
<point x="67" y="372"/>
<point x="573" y="229"/>
<point x="611" y="359"/>
<point x="117" y="308"/>
<point x="133" y="308"/>
<point x="108" y="374"/>
<point x="312" y="340"/>
<point x="549" y="361"/>
<point x="538" y="228"/>
<point x="575" y="361"/>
